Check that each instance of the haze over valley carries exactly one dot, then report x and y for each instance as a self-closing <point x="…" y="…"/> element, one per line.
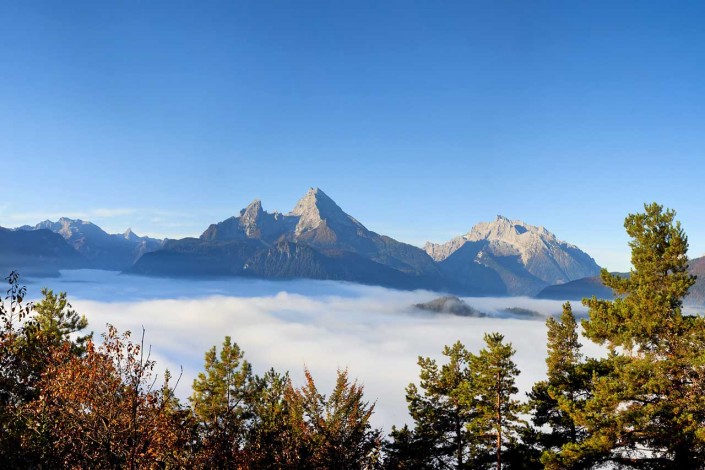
<point x="318" y="240"/>
<point x="324" y="325"/>
<point x="315" y="288"/>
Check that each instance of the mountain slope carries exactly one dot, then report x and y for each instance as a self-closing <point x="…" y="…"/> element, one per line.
<point x="577" y="290"/>
<point x="36" y="253"/>
<point x="587" y="287"/>
<point x="697" y="292"/>
<point x="524" y="258"/>
<point x="317" y="240"/>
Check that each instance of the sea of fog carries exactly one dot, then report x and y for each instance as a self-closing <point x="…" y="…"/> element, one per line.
<point x="323" y="325"/>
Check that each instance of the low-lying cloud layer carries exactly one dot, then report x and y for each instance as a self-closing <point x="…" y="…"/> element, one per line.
<point x="288" y="325"/>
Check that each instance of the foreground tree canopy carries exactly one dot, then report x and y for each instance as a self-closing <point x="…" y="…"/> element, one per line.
<point x="69" y="402"/>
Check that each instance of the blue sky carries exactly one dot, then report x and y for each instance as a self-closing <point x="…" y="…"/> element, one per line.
<point x="419" y="118"/>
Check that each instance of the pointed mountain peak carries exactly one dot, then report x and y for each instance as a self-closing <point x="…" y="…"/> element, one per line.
<point x="130" y="235"/>
<point x="316" y="201"/>
<point x="252" y="210"/>
<point x="316" y="207"/>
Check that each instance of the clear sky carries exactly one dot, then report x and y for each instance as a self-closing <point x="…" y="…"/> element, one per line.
<point x="419" y="118"/>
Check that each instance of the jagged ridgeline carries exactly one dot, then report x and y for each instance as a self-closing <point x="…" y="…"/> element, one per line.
<point x="510" y="257"/>
<point x="318" y="240"/>
<point x="95" y="247"/>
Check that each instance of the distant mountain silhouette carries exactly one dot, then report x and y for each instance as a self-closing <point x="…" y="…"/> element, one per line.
<point x="697" y="292"/>
<point x="36" y="253"/>
<point x="100" y="249"/>
<point x="577" y="290"/>
<point x="589" y="286"/>
<point x="450" y="304"/>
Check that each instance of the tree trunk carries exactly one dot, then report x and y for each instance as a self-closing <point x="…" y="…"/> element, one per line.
<point x="459" y="438"/>
<point x="683" y="456"/>
<point x="499" y="421"/>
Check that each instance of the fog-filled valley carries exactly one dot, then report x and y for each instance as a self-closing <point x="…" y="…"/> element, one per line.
<point x="323" y="325"/>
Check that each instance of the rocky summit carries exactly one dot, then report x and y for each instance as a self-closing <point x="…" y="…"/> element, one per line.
<point x="511" y="257"/>
<point x="316" y="240"/>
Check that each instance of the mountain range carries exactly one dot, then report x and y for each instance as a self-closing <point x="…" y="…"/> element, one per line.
<point x="315" y="240"/>
<point x="98" y="249"/>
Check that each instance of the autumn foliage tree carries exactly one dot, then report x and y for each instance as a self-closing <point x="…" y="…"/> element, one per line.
<point x="102" y="410"/>
<point x="29" y="336"/>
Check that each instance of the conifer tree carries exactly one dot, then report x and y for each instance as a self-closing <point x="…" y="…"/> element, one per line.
<point x="555" y="400"/>
<point x="496" y="419"/>
<point x="334" y="432"/>
<point x="405" y="451"/>
<point x="649" y="410"/>
<point x="220" y="405"/>
<point x="272" y="443"/>
<point x="442" y="409"/>
<point x="57" y="320"/>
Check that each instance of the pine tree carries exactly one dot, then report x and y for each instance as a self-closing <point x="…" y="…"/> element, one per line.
<point x="272" y="443"/>
<point x="566" y="388"/>
<point x="220" y="405"/>
<point x="404" y="451"/>
<point x="334" y="432"/>
<point x="496" y="421"/>
<point x="441" y="409"/>
<point x="57" y="321"/>
<point x="649" y="410"/>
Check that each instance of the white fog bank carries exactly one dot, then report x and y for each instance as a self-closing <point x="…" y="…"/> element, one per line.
<point x="322" y="325"/>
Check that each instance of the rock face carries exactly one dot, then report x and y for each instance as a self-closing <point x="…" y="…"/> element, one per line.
<point x="100" y="249"/>
<point x="316" y="240"/>
<point x="511" y="257"/>
<point x="253" y="223"/>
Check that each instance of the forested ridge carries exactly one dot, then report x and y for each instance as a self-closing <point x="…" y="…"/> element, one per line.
<point x="69" y="400"/>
